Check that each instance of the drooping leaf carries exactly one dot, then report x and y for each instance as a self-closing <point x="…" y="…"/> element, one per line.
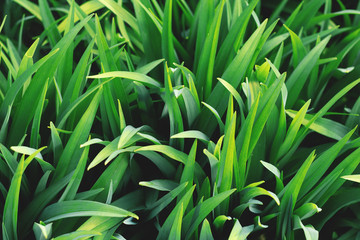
<point x="81" y="208"/>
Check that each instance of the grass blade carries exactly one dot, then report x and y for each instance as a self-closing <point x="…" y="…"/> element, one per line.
<point x="72" y="149"/>
<point x="168" y="50"/>
<point x="11" y="208"/>
<point x="176" y="215"/>
<point x="27" y="109"/>
<point x="234" y="75"/>
<point x="191" y="222"/>
<point x="298" y="78"/>
<point x="49" y="22"/>
<point x="129" y="75"/>
<point x="167" y="150"/>
<point x="205" y="69"/>
<point x="82" y="208"/>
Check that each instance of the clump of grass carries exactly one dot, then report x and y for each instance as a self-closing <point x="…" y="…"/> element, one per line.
<point x="179" y="119"/>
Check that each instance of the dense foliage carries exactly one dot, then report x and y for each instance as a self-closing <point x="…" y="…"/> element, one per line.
<point x="174" y="119"/>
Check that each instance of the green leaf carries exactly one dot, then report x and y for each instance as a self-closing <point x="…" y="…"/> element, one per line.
<point x="307" y="210"/>
<point x="42" y="182"/>
<point x="299" y="50"/>
<point x="324" y="17"/>
<point x="293" y="187"/>
<point x="192" y="134"/>
<point x="27" y="108"/>
<point x="163" y="202"/>
<point x="149" y="67"/>
<point x="298" y="78"/>
<point x="205" y="233"/>
<point x="271" y="168"/>
<point x="67" y="63"/>
<point x="113" y="90"/>
<point x="20" y="81"/>
<point x="226" y="164"/>
<point x="293" y="129"/>
<point x="78" y="235"/>
<point x="126" y="135"/>
<point x="11" y="208"/>
<point x="26" y="151"/>
<point x="29" y="151"/>
<point x="82" y="208"/>
<point x="205" y="69"/>
<point x="35" y="129"/>
<point x="131" y="201"/>
<point x="93" y="141"/>
<point x="48" y="21"/>
<point x="262" y="71"/>
<point x="217" y="116"/>
<point x="332" y="101"/>
<point x="27" y="61"/>
<point x="31" y="7"/>
<point x="88" y="194"/>
<point x="239" y="232"/>
<point x="233" y="39"/>
<point x="114" y="172"/>
<point x="275" y="66"/>
<point x="175" y="232"/>
<point x="354" y="178"/>
<point x="5" y="125"/>
<point x="243" y="141"/>
<point x="168" y="50"/>
<point x="188" y="100"/>
<point x="121" y="117"/>
<point x="160" y="185"/>
<point x="250" y="204"/>
<point x="220" y="221"/>
<point x="234" y="75"/>
<point x="310" y="232"/>
<point x="192" y="221"/>
<point x="80" y="13"/>
<point x="266" y="105"/>
<point x="150" y="30"/>
<point x="12" y="202"/>
<point x="291" y="192"/>
<point x="76" y="81"/>
<point x="200" y="27"/>
<point x="235" y="94"/>
<point x="121" y="13"/>
<point x="346" y="167"/>
<point x="189" y="169"/>
<point x="176" y="120"/>
<point x="42" y="231"/>
<point x="57" y="146"/>
<point x="308" y="11"/>
<point x="104" y="153"/>
<point x="272" y="44"/>
<point x="167" y="150"/>
<point x="249" y="193"/>
<point x="72" y="151"/>
<point x="324" y="126"/>
<point x="139" y="77"/>
<point x="321" y="113"/>
<point x="40" y="201"/>
<point x="9" y="159"/>
<point x="73" y="186"/>
<point x="341" y="199"/>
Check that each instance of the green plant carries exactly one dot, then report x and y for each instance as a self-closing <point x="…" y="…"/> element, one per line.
<point x="215" y="119"/>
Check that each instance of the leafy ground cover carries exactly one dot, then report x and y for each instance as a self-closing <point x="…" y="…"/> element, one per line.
<point x="223" y="119"/>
